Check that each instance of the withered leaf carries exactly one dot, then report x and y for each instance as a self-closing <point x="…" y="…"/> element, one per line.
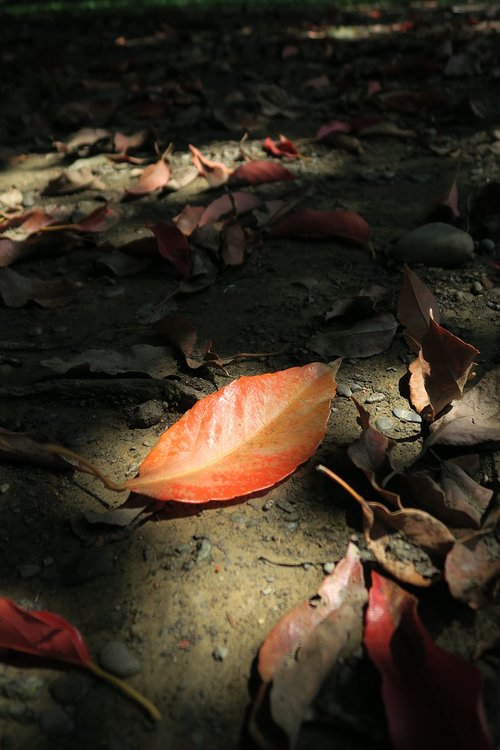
<point x="472" y="569"/>
<point x="408" y="543"/>
<point x="17" y="290"/>
<point x="364" y="339"/>
<point x="154" y="177"/>
<point x="155" y="361"/>
<point x="474" y="419"/>
<point x="440" y="371"/>
<point x="29" y="448"/>
<point x="72" y="181"/>
<point x="416" y="304"/>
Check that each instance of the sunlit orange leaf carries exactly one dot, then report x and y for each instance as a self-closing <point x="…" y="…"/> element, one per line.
<point x="338" y="224"/>
<point x="408" y="543"/>
<point x="440" y="371"/>
<point x="283" y="148"/>
<point x="432" y="697"/>
<point x="258" y="171"/>
<point x="155" y="177"/>
<point x="241" y="439"/>
<point x="215" y="172"/>
<point x="173" y="245"/>
<point x="45" y="634"/>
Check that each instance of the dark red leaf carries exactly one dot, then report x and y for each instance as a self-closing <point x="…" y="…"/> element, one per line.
<point x="432" y="698"/>
<point x="256" y="172"/>
<point x="238" y="202"/>
<point x="284" y="147"/>
<point x="332" y="128"/>
<point x="40" y="633"/>
<point x="173" y="246"/>
<point x="339" y="224"/>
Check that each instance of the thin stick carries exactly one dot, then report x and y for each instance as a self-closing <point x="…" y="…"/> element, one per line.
<point x="88" y="467"/>
<point x="127" y="689"/>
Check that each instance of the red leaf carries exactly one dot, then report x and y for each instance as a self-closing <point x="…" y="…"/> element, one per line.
<point x="332" y="128"/>
<point x="173" y="245"/>
<point x="154" y="177"/>
<point x="215" y="172"/>
<point x="256" y="172"/>
<point x="338" y="224"/>
<point x="432" y="697"/>
<point x="284" y="148"/>
<point x="40" y="633"/>
<point x="241" y="439"/>
<point x="96" y="221"/>
<point x="416" y="304"/>
<point x="189" y="219"/>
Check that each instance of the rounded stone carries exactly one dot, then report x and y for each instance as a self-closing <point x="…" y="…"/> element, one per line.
<point x="435" y="244"/>
<point x="384" y="424"/>
<point x="118" y="659"/>
<point x="406" y="415"/>
<point x="56" y="722"/>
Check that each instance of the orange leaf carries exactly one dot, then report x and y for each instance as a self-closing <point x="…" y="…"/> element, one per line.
<point x="244" y="438"/>
<point x="155" y="177"/>
<point x="215" y="172"/>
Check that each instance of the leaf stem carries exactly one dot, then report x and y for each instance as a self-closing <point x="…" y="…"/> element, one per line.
<point x="127" y="689"/>
<point x="342" y="482"/>
<point x="88" y="466"/>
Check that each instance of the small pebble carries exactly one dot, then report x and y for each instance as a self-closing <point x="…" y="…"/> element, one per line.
<point x="29" y="570"/>
<point x="344" y="390"/>
<point x="356" y="387"/>
<point x="118" y="659"/>
<point x="384" y="424"/>
<point x="56" y="722"/>
<point x="375" y="397"/>
<point x="203" y="550"/>
<point x="220" y="652"/>
<point x="477" y="288"/>
<point x="147" y="414"/>
<point x="435" y="244"/>
<point x="486" y="247"/>
<point x="329" y="567"/>
<point x="406" y="415"/>
<point x="4" y="488"/>
<point x="266" y="591"/>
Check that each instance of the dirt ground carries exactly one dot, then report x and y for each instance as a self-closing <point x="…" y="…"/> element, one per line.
<point x="191" y="590"/>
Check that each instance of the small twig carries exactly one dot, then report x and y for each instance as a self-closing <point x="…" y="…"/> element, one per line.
<point x="88" y="466"/>
<point x="285" y="564"/>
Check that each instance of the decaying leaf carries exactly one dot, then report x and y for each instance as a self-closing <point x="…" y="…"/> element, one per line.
<point x="370" y="452"/>
<point x="215" y="172"/>
<point x="363" y="339"/>
<point x="50" y="636"/>
<point x="416" y="305"/>
<point x="321" y="630"/>
<point x="155" y="361"/>
<point x="243" y="438"/>
<point x="260" y="171"/>
<point x="283" y="148"/>
<point x="29" y="448"/>
<point x="408" y="543"/>
<point x="17" y="290"/>
<point x="433" y="698"/>
<point x="72" y="181"/>
<point x="84" y="138"/>
<point x="440" y="371"/>
<point x="173" y="246"/>
<point x="474" y="419"/>
<point x="472" y="569"/>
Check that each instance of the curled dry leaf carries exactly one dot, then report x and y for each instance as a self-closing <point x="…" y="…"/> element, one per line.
<point x="215" y="172"/>
<point x="241" y="439"/>
<point x="17" y="290"/>
<point x="282" y="148"/>
<point x="182" y="334"/>
<point x="408" y="543"/>
<point x="416" y="306"/>
<point x="440" y="371"/>
<point x="472" y="569"/>
<point x="338" y="224"/>
<point x="154" y="177"/>
<point x="432" y="698"/>
<point x="235" y="203"/>
<point x="71" y="181"/>
<point x="474" y="419"/>
<point x="85" y="137"/>
<point x="188" y="219"/>
<point x="370" y="452"/>
<point x="50" y="636"/>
